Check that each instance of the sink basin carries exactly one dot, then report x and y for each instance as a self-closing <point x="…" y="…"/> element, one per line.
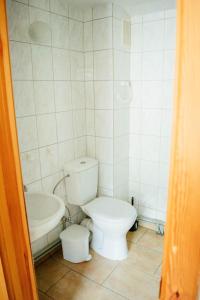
<point x="44" y="213"/>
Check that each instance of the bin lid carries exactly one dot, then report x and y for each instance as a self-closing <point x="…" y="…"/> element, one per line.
<point x="80" y="165"/>
<point x="74" y="232"/>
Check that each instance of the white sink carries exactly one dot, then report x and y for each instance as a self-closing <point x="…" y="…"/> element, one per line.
<point x="44" y="213"/>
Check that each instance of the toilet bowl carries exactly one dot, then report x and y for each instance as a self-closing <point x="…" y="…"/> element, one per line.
<point x="111" y="220"/>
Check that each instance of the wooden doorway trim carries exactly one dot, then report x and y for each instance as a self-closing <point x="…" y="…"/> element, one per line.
<point x="15" y="251"/>
<point x="181" y="263"/>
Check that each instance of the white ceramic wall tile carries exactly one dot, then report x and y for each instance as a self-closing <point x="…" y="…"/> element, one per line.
<point x="91" y="146"/>
<point x="119" y="12"/>
<point x="88" y="43"/>
<point x="89" y="94"/>
<point x="18" y="16"/>
<point x="35" y="186"/>
<point x="136" y="37"/>
<point x="75" y="35"/>
<point x="64" y="122"/>
<point x="90" y="122"/>
<point x="24" y="98"/>
<point x="163" y="175"/>
<point x="59" y="7"/>
<point x="46" y="125"/>
<point x="151" y="122"/>
<point x="136" y="66"/>
<point x="104" y="150"/>
<point x="77" y="65"/>
<point x="102" y="34"/>
<point x="170" y="33"/>
<point x="150" y="148"/>
<point x="21" y="61"/>
<point x="27" y="133"/>
<point x="103" y="91"/>
<point x="78" y="95"/>
<point x="135" y="145"/>
<point x="153" y="35"/>
<point x="89" y="63"/>
<point x="135" y="169"/>
<point x="102" y="11"/>
<point x="123" y="94"/>
<point x="30" y="166"/>
<point x="121" y="65"/>
<point x="49" y="160"/>
<point x="156" y="15"/>
<point x="60" y="34"/>
<point x="62" y="96"/>
<point x="42" y="63"/>
<point x="152" y="94"/>
<point x="104" y="123"/>
<point x="103" y="65"/>
<point x="149" y="172"/>
<point x="40" y="26"/>
<point x="65" y="152"/>
<point x="80" y="147"/>
<point x="135" y="120"/>
<point x="136" y="94"/>
<point x="166" y="125"/>
<point x="152" y="65"/>
<point x="61" y="64"/>
<point x="106" y="176"/>
<point x="44" y="97"/>
<point x="76" y="12"/>
<point x="79" y="123"/>
<point x="168" y="94"/>
<point x="121" y="121"/>
<point x="121" y="148"/>
<point x="44" y="4"/>
<point x="87" y="14"/>
<point x="169" y="65"/>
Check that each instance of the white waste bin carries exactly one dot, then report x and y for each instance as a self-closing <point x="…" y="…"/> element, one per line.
<point x="75" y="243"/>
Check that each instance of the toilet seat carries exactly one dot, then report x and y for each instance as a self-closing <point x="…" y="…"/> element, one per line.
<point x="110" y="210"/>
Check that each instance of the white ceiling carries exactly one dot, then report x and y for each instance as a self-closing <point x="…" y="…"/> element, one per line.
<point x="133" y="7"/>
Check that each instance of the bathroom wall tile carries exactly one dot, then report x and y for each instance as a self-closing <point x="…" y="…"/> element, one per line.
<point x="149" y="172"/>
<point x="59" y="7"/>
<point x="78" y="98"/>
<point x="170" y="33"/>
<point x="121" y="122"/>
<point x="166" y="124"/>
<point x="35" y="186"/>
<point x="163" y="175"/>
<point x="123" y="94"/>
<point x="162" y="199"/>
<point x="136" y="66"/>
<point x="151" y="122"/>
<point x="21" y="61"/>
<point x="90" y="146"/>
<point x="168" y="94"/>
<point x="165" y="147"/>
<point x="121" y="65"/>
<point x="88" y="43"/>
<point x="135" y="120"/>
<point x="135" y="145"/>
<point x="152" y="94"/>
<point x="150" y="147"/>
<point x="106" y="176"/>
<point x="44" y="4"/>
<point x="40" y="26"/>
<point x="134" y="169"/>
<point x="102" y="34"/>
<point x="65" y="152"/>
<point x="170" y="13"/>
<point x="153" y="35"/>
<point x="18" y="16"/>
<point x="121" y="148"/>
<point x="62" y="96"/>
<point x="27" y="133"/>
<point x="102" y="11"/>
<point x="156" y="15"/>
<point x="42" y="63"/>
<point x="77" y="65"/>
<point x="119" y="12"/>
<point x="46" y="125"/>
<point x="61" y="64"/>
<point x="49" y="160"/>
<point x="89" y="94"/>
<point x="30" y="166"/>
<point x="136" y="94"/>
<point x="147" y="212"/>
<point x="89" y="62"/>
<point x="24" y="98"/>
<point x="104" y="150"/>
<point x="121" y="172"/>
<point x="103" y="65"/>
<point x="60" y="31"/>
<point x="76" y="35"/>
<point x="169" y="65"/>
<point x="87" y="14"/>
<point x="136" y="37"/>
<point x="80" y="147"/>
<point x="44" y="97"/>
<point x="49" y="183"/>
<point x="79" y="123"/>
<point x="152" y="65"/>
<point x="64" y="122"/>
<point x="104" y="123"/>
<point x="76" y="12"/>
<point x="103" y="94"/>
<point x="118" y="36"/>
<point x="90" y="122"/>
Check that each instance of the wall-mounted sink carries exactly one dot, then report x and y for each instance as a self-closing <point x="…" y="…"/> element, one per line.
<point x="44" y="213"/>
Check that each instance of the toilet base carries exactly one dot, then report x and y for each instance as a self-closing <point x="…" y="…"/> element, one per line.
<point x="114" y="248"/>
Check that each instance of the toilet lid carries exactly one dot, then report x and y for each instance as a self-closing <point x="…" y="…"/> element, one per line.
<point x="110" y="209"/>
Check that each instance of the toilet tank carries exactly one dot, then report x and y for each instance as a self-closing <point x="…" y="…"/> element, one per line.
<point x="81" y="184"/>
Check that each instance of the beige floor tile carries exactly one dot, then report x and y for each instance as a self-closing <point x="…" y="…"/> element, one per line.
<point x="133" y="284"/>
<point x="152" y="240"/>
<point x="49" y="273"/>
<point x="144" y="259"/>
<point x="135" y="236"/>
<point x="43" y="296"/>
<point x="74" y="286"/>
<point x="97" y="269"/>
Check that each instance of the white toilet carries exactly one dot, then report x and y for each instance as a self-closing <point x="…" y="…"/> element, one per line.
<point x="110" y="218"/>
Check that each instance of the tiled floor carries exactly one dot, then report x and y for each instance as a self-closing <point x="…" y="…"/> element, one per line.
<point x="136" y="278"/>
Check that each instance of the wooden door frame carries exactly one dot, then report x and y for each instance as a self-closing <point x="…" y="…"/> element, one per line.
<point x="15" y="250"/>
<point x="181" y="260"/>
